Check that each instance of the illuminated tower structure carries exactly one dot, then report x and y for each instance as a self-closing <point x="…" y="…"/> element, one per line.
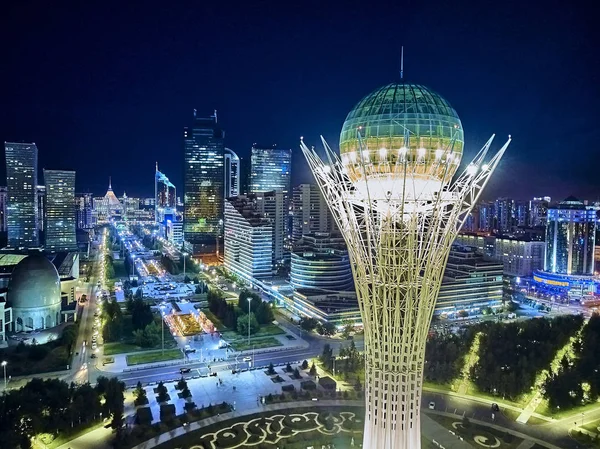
<point x="392" y="194"/>
<point x="61" y="219"/>
<point x="165" y="197"/>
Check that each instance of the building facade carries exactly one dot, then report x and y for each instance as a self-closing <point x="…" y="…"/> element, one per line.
<point x="232" y="173"/>
<point x="470" y="283"/>
<point x="310" y="213"/>
<point x="570" y="238"/>
<point x="538" y="211"/>
<point x="61" y="221"/>
<point x="21" y="183"/>
<point x="165" y="197"/>
<point x="321" y="262"/>
<point x="271" y="169"/>
<point x="3" y="210"/>
<point x="203" y="184"/>
<point x="84" y="206"/>
<point x="248" y="239"/>
<point x="519" y="257"/>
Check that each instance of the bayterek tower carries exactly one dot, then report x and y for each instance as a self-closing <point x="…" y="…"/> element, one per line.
<point x="399" y="199"/>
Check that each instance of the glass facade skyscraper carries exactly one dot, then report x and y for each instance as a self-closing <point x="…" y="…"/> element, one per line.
<point x="60" y="210"/>
<point x="570" y="238"/>
<point x="232" y="174"/>
<point x="203" y="184"/>
<point x="271" y="169"/>
<point x="165" y="197"/>
<point x="21" y="183"/>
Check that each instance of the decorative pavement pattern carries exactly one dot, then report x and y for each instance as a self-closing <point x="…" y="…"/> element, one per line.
<point x="275" y="428"/>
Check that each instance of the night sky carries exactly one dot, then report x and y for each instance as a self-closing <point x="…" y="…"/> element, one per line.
<point x="106" y="88"/>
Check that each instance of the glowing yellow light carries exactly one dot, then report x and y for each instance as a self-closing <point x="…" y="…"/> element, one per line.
<point x="382" y="153"/>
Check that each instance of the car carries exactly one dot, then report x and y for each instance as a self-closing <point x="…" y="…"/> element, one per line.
<point x="432" y="405"/>
<point x="93" y="356"/>
<point x="247" y="359"/>
<point x="185" y="370"/>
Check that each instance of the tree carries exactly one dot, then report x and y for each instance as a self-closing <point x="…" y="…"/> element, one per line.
<point x="187" y="279"/>
<point x="181" y="384"/>
<point x="141" y="314"/>
<point x="327" y="329"/>
<point x="264" y="313"/>
<point x="140" y="395"/>
<point x="313" y="370"/>
<point x="463" y="313"/>
<point x="271" y="369"/>
<point x="243" y="297"/>
<point x="242" y="324"/>
<point x="308" y="324"/>
<point x="68" y="337"/>
<point x="305" y="364"/>
<point x="163" y="395"/>
<point x="326" y="356"/>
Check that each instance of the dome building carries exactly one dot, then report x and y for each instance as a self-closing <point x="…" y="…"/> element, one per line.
<point x="34" y="294"/>
<point x="401" y="129"/>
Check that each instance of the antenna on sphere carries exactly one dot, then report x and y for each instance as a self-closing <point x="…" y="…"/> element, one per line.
<point x="402" y="63"/>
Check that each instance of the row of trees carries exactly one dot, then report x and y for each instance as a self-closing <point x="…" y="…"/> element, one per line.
<point x="577" y="381"/>
<point x="53" y="406"/>
<point x="445" y="355"/>
<point x="236" y="316"/>
<point x="326" y="329"/>
<point x="349" y="362"/>
<point x="511" y="355"/>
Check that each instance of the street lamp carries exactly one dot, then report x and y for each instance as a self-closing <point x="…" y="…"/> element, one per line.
<point x="249" y="301"/>
<point x="184" y="256"/>
<point x="4" y="363"/>
<point x="162" y="321"/>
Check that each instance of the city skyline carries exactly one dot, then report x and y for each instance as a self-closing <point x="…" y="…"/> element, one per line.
<point x="121" y="112"/>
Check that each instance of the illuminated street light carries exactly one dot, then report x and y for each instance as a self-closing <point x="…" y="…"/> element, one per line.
<point x="4" y="363"/>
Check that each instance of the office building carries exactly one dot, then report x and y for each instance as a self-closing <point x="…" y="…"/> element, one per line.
<point x="108" y="206"/>
<point x="41" y="205"/>
<point x="203" y="184"/>
<point x="486" y="212"/>
<point x="248" y="239"/>
<point x="84" y="205"/>
<point x="521" y="214"/>
<point x="504" y="215"/>
<point x="320" y="262"/>
<point x="271" y="169"/>
<point x="5" y="320"/>
<point x="165" y="198"/>
<point x="538" y="211"/>
<point x="310" y="213"/>
<point x="3" y="210"/>
<point x="232" y="173"/>
<point x="271" y="205"/>
<point x="470" y="283"/>
<point x="570" y="238"/>
<point x="60" y="210"/>
<point x="174" y="232"/>
<point x="21" y="183"/>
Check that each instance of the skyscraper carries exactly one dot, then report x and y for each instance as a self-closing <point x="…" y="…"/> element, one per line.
<point x="570" y="238"/>
<point x="60" y="210"/>
<point x="21" y="183"/>
<point x="310" y="213"/>
<point x="271" y="169"/>
<point x="232" y="174"/>
<point x="165" y="197"/>
<point x="84" y="205"/>
<point x="3" y="202"/>
<point x="538" y="211"/>
<point x="203" y="184"/>
<point x="505" y="213"/>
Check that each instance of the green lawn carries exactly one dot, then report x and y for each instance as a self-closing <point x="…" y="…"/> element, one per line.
<point x="216" y="321"/>
<point x="154" y="356"/>
<point x="257" y="343"/>
<point x="265" y="331"/>
<point x="121" y="348"/>
<point x="119" y="266"/>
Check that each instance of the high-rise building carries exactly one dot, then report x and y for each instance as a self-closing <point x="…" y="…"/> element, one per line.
<point x="570" y="238"/>
<point x="3" y="203"/>
<point x="21" y="183"/>
<point x="486" y="212"/>
<point x="84" y="205"/>
<point x="60" y="210"/>
<point x="165" y="197"/>
<point x="538" y="211"/>
<point x="203" y="184"/>
<point x="310" y="213"/>
<point x="232" y="174"/>
<point x="271" y="206"/>
<point x="245" y="169"/>
<point x="505" y="213"/>
<point x="41" y="205"/>
<point x="271" y="169"/>
<point x="521" y="214"/>
<point x="248" y="239"/>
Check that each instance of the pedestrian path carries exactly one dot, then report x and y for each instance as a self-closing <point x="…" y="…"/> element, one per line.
<point x="530" y="408"/>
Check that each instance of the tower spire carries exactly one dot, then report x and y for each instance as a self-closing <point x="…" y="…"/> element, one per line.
<point x="156" y="165"/>
<point x="402" y="62"/>
<point x="109" y="183"/>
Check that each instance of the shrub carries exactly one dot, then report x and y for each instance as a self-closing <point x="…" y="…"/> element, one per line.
<point x="305" y="364"/>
